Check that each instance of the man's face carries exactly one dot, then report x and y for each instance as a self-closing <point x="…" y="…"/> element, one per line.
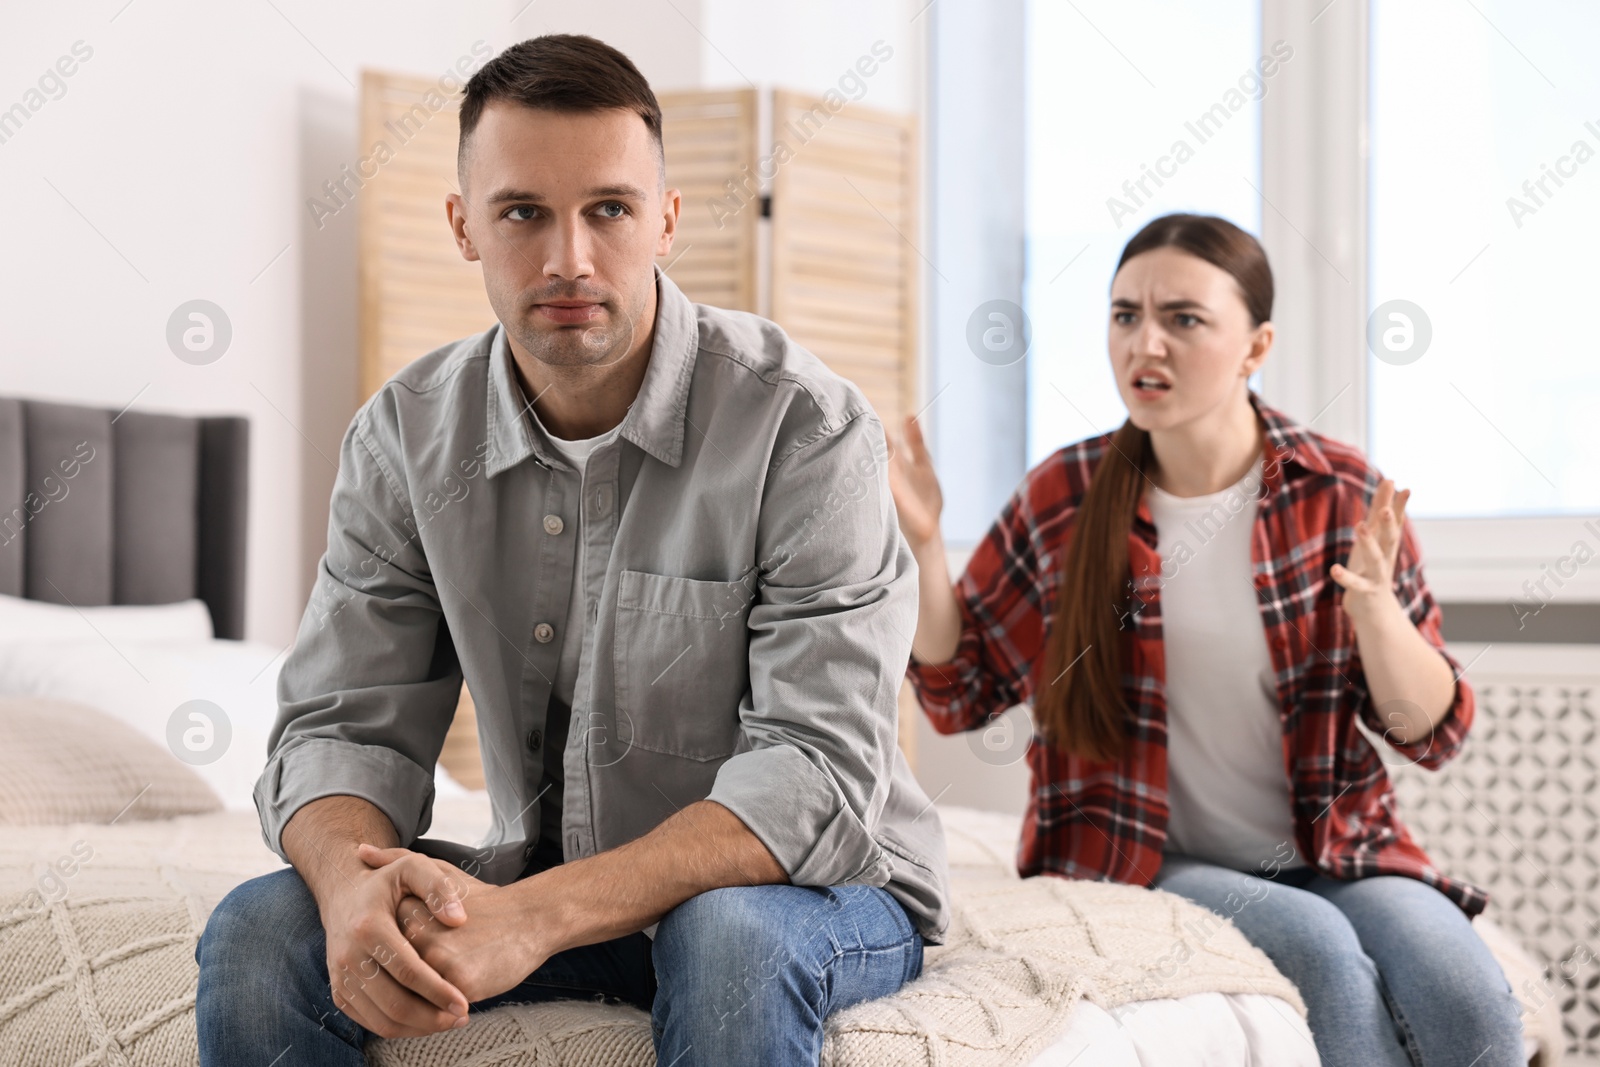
<point x="566" y="212"/>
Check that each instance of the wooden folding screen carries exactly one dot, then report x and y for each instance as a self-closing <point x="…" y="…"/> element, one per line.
<point x="844" y="271"/>
<point x="843" y="276"/>
<point x="710" y="142"/>
<point x="417" y="293"/>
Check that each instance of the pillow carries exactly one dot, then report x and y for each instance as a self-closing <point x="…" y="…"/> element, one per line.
<point x="62" y="762"/>
<point x="36" y="620"/>
<point x="145" y="685"/>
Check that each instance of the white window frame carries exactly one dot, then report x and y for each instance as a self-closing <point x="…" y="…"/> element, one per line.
<point x="1314" y="161"/>
<point x="974" y="414"/>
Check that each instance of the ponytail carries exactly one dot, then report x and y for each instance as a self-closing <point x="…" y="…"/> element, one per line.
<point x="1078" y="703"/>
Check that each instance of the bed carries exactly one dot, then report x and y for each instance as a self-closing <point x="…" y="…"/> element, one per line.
<point x="119" y="833"/>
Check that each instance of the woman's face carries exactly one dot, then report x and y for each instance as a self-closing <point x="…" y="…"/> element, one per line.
<point x="1180" y="338"/>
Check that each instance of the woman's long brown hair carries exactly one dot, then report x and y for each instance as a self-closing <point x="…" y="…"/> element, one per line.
<point x="1078" y="702"/>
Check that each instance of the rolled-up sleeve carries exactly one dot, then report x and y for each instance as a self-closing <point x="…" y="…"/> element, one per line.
<point x="1002" y="627"/>
<point x="369" y="690"/>
<point x="829" y="639"/>
<point x="1444" y="742"/>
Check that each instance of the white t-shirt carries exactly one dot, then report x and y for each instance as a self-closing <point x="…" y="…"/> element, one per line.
<point x="1226" y="782"/>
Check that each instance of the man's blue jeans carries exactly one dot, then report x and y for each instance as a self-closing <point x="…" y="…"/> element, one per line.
<point x="743" y="975"/>
<point x="1392" y="972"/>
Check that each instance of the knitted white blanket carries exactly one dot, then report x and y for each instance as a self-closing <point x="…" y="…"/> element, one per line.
<point x="1018" y="957"/>
<point x="98" y="964"/>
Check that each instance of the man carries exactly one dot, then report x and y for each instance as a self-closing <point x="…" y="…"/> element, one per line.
<point x="657" y="541"/>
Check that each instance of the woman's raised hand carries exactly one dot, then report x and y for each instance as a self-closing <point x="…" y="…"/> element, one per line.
<point x="1369" y="572"/>
<point x="918" y="501"/>
<point x="915" y="486"/>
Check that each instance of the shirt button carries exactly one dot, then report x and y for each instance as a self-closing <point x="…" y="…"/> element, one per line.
<point x="527" y="853"/>
<point x="535" y="739"/>
<point x="553" y="524"/>
<point x="543" y="633"/>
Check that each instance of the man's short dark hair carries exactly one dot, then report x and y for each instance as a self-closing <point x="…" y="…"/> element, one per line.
<point x="559" y="72"/>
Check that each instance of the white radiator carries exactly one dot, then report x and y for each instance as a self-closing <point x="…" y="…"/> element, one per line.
<point x="1518" y="812"/>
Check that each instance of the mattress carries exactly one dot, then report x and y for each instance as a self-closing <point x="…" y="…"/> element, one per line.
<point x="105" y="973"/>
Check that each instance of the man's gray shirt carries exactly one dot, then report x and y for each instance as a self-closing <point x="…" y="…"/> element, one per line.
<point x="752" y="610"/>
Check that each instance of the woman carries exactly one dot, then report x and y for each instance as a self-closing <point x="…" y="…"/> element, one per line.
<point x="1199" y="606"/>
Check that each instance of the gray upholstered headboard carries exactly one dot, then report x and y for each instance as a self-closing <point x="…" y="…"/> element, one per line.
<point x="98" y="507"/>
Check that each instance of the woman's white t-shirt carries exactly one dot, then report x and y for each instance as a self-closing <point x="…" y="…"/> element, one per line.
<point x="1227" y="785"/>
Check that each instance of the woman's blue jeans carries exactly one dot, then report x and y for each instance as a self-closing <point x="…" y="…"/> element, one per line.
<point x="743" y="975"/>
<point x="1392" y="972"/>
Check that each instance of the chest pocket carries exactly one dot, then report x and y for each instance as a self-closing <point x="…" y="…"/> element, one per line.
<point x="682" y="663"/>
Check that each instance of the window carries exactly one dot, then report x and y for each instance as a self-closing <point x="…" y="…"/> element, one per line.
<point x="1426" y="168"/>
<point x="1483" y="205"/>
<point x="1132" y="111"/>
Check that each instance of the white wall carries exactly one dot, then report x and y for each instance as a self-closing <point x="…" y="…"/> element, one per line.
<point x="177" y="161"/>
<point x="811" y="45"/>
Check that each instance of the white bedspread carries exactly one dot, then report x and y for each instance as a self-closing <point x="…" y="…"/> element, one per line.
<point x="1199" y="1030"/>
